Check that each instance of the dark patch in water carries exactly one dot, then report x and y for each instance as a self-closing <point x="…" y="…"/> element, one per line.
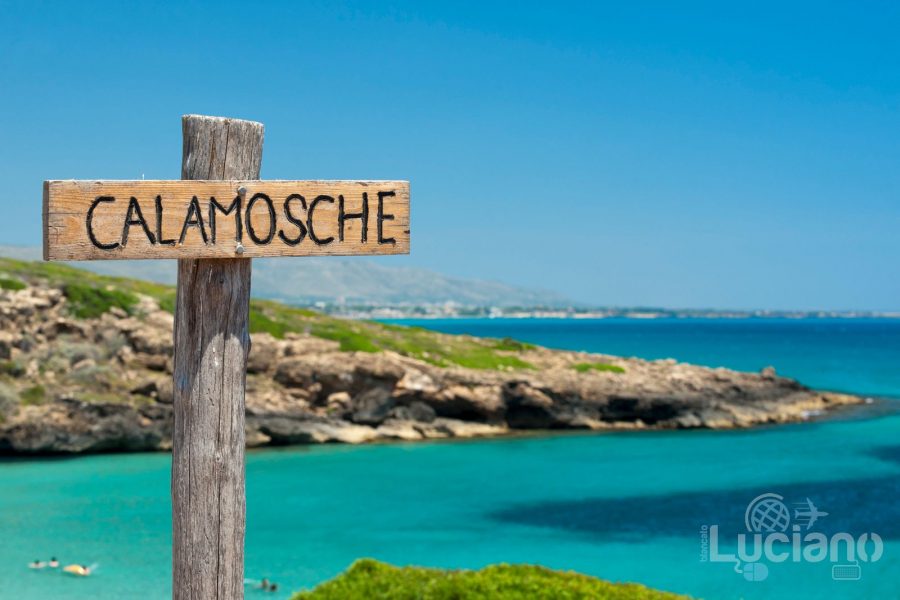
<point x="888" y="453"/>
<point x="854" y="505"/>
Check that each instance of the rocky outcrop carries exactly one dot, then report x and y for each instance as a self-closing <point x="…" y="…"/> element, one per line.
<point x="72" y="426"/>
<point x="90" y="385"/>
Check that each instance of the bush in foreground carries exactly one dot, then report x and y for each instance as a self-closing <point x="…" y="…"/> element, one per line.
<point x="369" y="578"/>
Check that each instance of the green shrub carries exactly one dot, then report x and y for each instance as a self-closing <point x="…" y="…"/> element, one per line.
<point x="347" y="334"/>
<point x="477" y="356"/>
<point x="34" y="395"/>
<point x="13" y="368"/>
<point x="585" y="367"/>
<point x="74" y="352"/>
<point x="89" y="302"/>
<point x="368" y="578"/>
<point x="111" y="398"/>
<point x="63" y="353"/>
<point x="512" y="345"/>
<point x="110" y="343"/>
<point x="11" y="284"/>
<point x="167" y="302"/>
<point x="92" y="376"/>
<point x="262" y="323"/>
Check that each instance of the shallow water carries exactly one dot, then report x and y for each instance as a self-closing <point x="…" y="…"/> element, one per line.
<point x="624" y="506"/>
<point x="620" y="506"/>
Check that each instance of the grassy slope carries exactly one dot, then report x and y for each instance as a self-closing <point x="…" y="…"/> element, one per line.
<point x="597" y="366"/>
<point x="370" y="579"/>
<point x="90" y="295"/>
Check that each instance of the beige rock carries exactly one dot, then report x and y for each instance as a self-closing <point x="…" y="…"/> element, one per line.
<point x="414" y="380"/>
<point x="151" y="340"/>
<point x="458" y="401"/>
<point x="264" y="353"/>
<point x="338" y="401"/>
<point x="465" y="429"/>
<point x="306" y="431"/>
<point x="395" y="429"/>
<point x="255" y="438"/>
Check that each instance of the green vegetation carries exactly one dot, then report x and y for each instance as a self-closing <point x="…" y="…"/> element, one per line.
<point x="89" y="302"/>
<point x="61" y="275"/>
<point x="11" y="284"/>
<point x="90" y="295"/>
<point x="36" y="394"/>
<point x="512" y="345"/>
<point x="167" y="301"/>
<point x="112" y="398"/>
<point x="368" y="578"/>
<point x="262" y="323"/>
<point x="12" y="368"/>
<point x="367" y="336"/>
<point x="585" y="367"/>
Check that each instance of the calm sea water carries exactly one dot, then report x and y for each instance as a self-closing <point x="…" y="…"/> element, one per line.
<point x="625" y="506"/>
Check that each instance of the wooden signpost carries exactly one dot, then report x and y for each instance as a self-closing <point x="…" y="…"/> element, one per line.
<point x="213" y="221"/>
<point x="100" y="220"/>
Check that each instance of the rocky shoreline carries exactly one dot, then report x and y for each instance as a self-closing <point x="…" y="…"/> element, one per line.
<point x="103" y="384"/>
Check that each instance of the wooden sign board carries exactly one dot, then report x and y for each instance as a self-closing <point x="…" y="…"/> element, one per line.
<point x="103" y="220"/>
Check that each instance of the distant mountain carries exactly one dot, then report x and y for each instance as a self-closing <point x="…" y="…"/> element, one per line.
<point x="351" y="281"/>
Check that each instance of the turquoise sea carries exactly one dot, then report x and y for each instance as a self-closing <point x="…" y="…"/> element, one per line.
<point x="624" y="506"/>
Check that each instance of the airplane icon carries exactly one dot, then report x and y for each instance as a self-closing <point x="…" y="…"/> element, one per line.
<point x="810" y="515"/>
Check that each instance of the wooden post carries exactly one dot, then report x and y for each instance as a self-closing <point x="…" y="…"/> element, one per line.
<point x="212" y="341"/>
<point x="104" y="220"/>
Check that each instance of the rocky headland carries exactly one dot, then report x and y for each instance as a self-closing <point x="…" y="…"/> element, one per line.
<point x="86" y="366"/>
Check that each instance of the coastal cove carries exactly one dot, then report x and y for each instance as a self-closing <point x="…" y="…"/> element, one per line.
<point x="602" y="504"/>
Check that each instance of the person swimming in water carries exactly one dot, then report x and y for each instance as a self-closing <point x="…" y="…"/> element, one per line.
<point x="53" y="564"/>
<point x="37" y="564"/>
<point x="79" y="570"/>
<point x="264" y="584"/>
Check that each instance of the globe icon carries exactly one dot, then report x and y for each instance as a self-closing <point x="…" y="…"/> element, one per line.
<point x="767" y="513"/>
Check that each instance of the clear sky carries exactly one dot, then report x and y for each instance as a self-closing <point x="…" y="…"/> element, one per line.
<point x="677" y="154"/>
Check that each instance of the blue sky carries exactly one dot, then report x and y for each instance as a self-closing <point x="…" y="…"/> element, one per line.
<point x="677" y="154"/>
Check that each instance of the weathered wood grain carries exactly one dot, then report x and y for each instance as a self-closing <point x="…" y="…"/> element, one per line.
<point x="107" y="220"/>
<point x="212" y="341"/>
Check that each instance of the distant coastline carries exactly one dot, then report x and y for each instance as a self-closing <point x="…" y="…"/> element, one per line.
<point x="453" y="311"/>
<point x="363" y="289"/>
